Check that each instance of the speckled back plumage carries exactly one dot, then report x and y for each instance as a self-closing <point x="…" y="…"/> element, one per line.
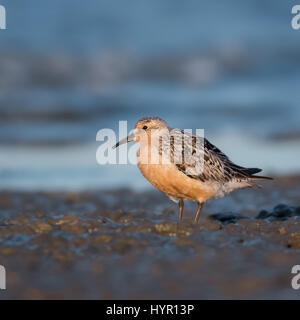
<point x="196" y="157"/>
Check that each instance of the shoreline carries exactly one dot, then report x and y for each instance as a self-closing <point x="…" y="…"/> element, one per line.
<point x="123" y="244"/>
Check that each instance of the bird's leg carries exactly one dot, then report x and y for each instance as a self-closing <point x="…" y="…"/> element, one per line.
<point x="181" y="203"/>
<point x="197" y="216"/>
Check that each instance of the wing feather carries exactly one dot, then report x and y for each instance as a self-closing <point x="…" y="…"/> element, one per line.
<point x="199" y="159"/>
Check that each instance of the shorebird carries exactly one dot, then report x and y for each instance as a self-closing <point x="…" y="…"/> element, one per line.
<point x="202" y="173"/>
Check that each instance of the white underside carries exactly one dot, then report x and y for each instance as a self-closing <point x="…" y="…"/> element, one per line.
<point x="221" y="189"/>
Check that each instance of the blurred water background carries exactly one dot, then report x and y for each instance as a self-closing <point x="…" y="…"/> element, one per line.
<point x="69" y="68"/>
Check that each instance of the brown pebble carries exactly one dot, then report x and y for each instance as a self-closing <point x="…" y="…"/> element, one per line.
<point x="40" y="227"/>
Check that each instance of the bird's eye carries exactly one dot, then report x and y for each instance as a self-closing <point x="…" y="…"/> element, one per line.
<point x="145" y="127"/>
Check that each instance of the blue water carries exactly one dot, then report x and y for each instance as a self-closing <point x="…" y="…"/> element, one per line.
<point x="69" y="68"/>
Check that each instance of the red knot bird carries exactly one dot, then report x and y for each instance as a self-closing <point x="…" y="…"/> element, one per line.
<point x="196" y="170"/>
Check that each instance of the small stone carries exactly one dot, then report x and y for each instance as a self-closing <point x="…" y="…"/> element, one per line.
<point x="40" y="227"/>
<point x="67" y="219"/>
<point x="297" y="211"/>
<point x="282" y="211"/>
<point x="226" y="218"/>
<point x="263" y="214"/>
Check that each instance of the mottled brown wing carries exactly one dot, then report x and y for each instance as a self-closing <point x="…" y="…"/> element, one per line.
<point x="214" y="164"/>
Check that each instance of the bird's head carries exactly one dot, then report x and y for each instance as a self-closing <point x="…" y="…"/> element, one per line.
<point x="144" y="128"/>
<point x="151" y="123"/>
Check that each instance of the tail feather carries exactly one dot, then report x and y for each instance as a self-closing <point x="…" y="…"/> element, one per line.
<point x="260" y="178"/>
<point x="252" y="171"/>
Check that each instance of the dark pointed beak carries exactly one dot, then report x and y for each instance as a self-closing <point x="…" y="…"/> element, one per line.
<point x="129" y="138"/>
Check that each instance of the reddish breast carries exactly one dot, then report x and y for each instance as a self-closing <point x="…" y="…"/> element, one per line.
<point x="168" y="179"/>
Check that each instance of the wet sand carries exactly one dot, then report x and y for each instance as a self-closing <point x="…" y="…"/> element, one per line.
<point x="122" y="244"/>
